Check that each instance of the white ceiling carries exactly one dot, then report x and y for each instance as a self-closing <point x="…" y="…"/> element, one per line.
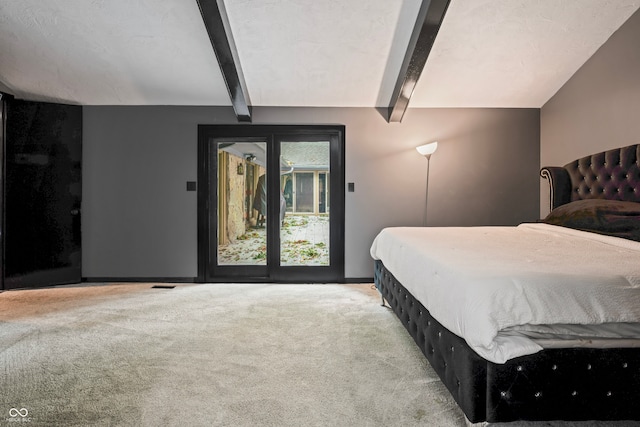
<point x="346" y="53"/>
<point x="514" y="53"/>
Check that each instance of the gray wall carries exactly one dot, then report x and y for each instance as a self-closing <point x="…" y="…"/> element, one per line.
<point x="139" y="220"/>
<point x="598" y="108"/>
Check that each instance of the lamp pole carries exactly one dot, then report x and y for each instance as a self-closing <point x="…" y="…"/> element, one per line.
<point x="426" y="193"/>
<point x="427" y="150"/>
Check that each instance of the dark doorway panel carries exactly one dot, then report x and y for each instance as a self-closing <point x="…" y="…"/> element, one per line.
<point x="43" y="192"/>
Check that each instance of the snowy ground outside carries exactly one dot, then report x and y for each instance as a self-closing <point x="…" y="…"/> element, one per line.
<point x="304" y="241"/>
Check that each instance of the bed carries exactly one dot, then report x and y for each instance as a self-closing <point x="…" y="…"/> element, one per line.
<point x="535" y="322"/>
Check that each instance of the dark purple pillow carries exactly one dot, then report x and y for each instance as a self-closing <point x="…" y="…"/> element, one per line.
<point x="610" y="217"/>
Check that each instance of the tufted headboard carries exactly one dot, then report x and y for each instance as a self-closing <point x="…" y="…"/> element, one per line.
<point x="612" y="175"/>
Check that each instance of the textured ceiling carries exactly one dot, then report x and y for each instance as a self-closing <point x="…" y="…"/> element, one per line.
<point x="109" y="52"/>
<point x="514" y="53"/>
<point x="321" y="53"/>
<point x="489" y="53"/>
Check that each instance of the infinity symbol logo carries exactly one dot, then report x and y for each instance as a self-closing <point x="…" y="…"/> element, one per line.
<point x="13" y="412"/>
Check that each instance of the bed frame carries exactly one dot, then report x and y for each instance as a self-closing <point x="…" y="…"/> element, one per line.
<point x="553" y="384"/>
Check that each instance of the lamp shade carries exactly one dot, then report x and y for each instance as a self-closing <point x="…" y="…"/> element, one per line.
<point x="427" y="149"/>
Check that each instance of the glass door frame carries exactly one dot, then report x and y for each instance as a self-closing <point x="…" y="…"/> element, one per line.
<point x="208" y="270"/>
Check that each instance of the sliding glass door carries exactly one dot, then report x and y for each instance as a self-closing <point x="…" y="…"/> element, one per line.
<point x="241" y="195"/>
<point x="271" y="203"/>
<point x="305" y="237"/>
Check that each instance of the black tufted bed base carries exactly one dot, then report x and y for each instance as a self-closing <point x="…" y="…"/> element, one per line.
<point x="553" y="384"/>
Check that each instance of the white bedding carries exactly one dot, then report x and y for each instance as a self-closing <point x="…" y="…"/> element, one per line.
<point x="604" y="335"/>
<point x="479" y="281"/>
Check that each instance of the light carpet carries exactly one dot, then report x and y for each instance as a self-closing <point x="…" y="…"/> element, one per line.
<point x="213" y="355"/>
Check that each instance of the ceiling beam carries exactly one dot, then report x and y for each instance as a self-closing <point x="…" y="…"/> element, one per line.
<point x="215" y="21"/>
<point x="424" y="34"/>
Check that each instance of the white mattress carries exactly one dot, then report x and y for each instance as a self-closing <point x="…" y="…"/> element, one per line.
<point x="604" y="335"/>
<point x="482" y="283"/>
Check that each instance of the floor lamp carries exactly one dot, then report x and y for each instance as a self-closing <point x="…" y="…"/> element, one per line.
<point x="427" y="150"/>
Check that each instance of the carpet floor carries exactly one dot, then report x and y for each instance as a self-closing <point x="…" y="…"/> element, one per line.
<point x="213" y="355"/>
